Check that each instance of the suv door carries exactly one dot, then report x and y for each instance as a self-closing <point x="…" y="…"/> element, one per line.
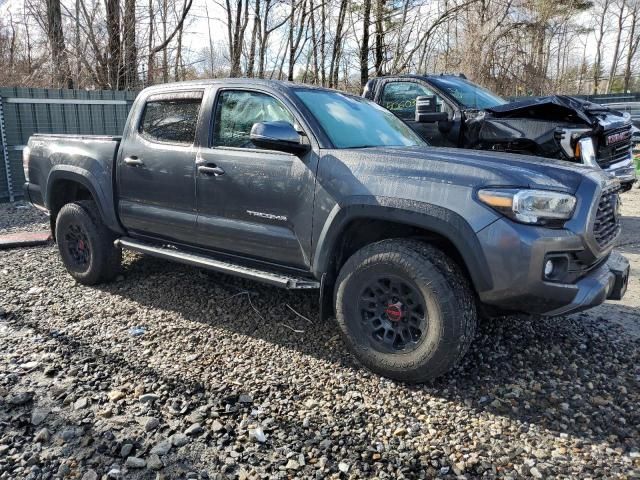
<point x="156" y="168"/>
<point x="399" y="96"/>
<point x="254" y="202"/>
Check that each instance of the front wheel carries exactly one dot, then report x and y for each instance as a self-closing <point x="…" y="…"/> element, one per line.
<point x="405" y="309"/>
<point x="86" y="244"/>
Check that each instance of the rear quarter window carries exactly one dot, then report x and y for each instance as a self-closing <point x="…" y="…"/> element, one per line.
<point x="171" y="119"/>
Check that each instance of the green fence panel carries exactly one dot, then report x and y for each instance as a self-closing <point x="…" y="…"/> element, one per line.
<point x="26" y="111"/>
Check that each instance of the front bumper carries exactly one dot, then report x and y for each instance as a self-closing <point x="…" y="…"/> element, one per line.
<point x="607" y="282"/>
<point x="516" y="255"/>
<point x="623" y="171"/>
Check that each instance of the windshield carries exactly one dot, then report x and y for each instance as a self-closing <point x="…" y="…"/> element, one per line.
<point x="467" y="93"/>
<point x="353" y="122"/>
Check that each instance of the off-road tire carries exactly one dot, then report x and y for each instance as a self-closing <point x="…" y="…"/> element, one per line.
<point x="104" y="259"/>
<point x="448" y="297"/>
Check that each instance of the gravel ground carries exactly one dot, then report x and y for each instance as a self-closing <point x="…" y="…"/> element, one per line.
<point x="21" y="217"/>
<point x="171" y="372"/>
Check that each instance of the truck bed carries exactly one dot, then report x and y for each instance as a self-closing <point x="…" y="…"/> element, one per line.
<point x="54" y="158"/>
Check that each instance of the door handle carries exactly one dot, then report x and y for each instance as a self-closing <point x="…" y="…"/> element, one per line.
<point x="133" y="161"/>
<point x="211" y="170"/>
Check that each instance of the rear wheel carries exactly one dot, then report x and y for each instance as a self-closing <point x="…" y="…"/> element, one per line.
<point x="86" y="244"/>
<point x="405" y="309"/>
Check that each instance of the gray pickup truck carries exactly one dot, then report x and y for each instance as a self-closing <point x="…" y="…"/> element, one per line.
<point x="307" y="188"/>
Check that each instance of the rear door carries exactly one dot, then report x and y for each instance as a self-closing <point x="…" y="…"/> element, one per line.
<point x="260" y="202"/>
<point x="399" y="96"/>
<point x="156" y="168"/>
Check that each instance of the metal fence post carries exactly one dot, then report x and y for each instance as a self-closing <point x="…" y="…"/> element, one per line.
<point x="5" y="154"/>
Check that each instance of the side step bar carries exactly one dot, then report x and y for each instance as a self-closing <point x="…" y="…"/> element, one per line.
<point x="272" y="278"/>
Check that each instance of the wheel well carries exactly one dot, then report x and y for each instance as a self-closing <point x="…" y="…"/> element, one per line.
<point x="63" y="192"/>
<point x="361" y="232"/>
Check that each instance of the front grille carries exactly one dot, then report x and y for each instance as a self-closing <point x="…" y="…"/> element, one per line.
<point x="606" y="225"/>
<point x="617" y="151"/>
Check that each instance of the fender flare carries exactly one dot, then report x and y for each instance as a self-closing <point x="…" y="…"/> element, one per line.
<point x="430" y="217"/>
<point x="85" y="178"/>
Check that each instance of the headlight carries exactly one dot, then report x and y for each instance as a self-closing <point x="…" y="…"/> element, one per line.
<point x="586" y="152"/>
<point x="538" y="207"/>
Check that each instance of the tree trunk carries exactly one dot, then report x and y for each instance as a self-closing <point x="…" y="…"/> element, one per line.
<point x="254" y="36"/>
<point x="631" y="49"/>
<point x="165" y="60"/>
<point x="337" y="46"/>
<point x="151" y="54"/>
<point x="114" y="45"/>
<point x="323" y="43"/>
<point x="130" y="48"/>
<point x="616" y="51"/>
<point x="597" y="65"/>
<point x="379" y="53"/>
<point x="62" y="72"/>
<point x="364" y="48"/>
<point x="315" y="43"/>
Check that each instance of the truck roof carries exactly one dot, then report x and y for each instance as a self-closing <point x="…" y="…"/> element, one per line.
<point x="281" y="85"/>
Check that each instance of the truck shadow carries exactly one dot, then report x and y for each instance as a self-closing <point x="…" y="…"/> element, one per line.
<point x="542" y="373"/>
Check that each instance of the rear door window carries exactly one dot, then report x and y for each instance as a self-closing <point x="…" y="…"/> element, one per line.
<point x="171" y="118"/>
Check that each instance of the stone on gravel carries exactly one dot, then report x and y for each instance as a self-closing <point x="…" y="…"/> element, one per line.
<point x="42" y="436"/>
<point x="292" y="465"/>
<point x="115" y="395"/>
<point x="216" y="426"/>
<point x="126" y="450"/>
<point x="135" y="462"/>
<point x="154" y="462"/>
<point x="148" y="398"/>
<point x="19" y="398"/>
<point x="195" y="429"/>
<point x="90" y="475"/>
<point x="162" y="448"/>
<point x="81" y="403"/>
<point x="179" y="440"/>
<point x="257" y="434"/>
<point x="151" y="424"/>
<point x="38" y="415"/>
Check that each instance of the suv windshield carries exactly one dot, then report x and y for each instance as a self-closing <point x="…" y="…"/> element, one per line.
<point x="353" y="122"/>
<point x="468" y="94"/>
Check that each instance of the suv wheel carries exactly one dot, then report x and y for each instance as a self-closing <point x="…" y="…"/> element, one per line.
<point x="405" y="309"/>
<point x="86" y="244"/>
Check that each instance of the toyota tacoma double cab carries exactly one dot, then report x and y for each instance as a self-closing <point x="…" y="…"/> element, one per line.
<point x="308" y="188"/>
<point x="449" y="110"/>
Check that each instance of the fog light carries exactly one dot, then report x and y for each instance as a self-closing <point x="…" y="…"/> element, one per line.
<point x="548" y="268"/>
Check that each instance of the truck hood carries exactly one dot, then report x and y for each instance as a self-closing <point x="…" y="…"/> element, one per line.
<point x="562" y="108"/>
<point x="465" y="167"/>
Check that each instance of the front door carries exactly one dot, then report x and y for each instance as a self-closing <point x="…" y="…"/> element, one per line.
<point x="156" y="169"/>
<point x="251" y="201"/>
<point x="399" y="97"/>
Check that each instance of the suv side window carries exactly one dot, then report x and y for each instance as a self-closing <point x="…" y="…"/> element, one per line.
<point x="400" y="98"/>
<point x="171" y="118"/>
<point x="238" y="110"/>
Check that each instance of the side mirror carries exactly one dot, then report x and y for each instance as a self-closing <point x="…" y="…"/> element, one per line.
<point x="279" y="136"/>
<point x="427" y="110"/>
